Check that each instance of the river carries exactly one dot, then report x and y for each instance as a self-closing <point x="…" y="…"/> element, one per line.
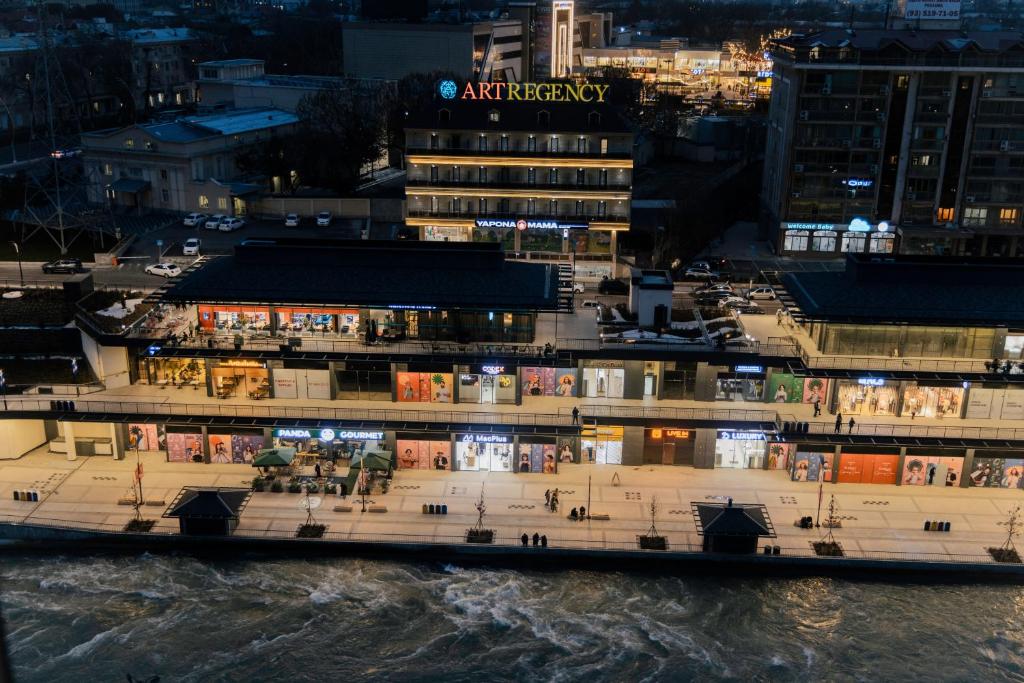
<point x="86" y="619"/>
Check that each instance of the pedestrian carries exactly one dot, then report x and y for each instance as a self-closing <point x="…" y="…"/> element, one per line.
<point x="575" y="415"/>
<point x="544" y="541"/>
<point x="817" y="406"/>
<point x="913" y="414"/>
<point x="525" y="539"/>
<point x="316" y="469"/>
<point x="852" y="425"/>
<point x="547" y="498"/>
<point x="554" y="505"/>
<point x="554" y="498"/>
<point x="536" y="538"/>
<point x="778" y="316"/>
<point x="583" y="512"/>
<point x="574" y="514"/>
<point x="839" y="422"/>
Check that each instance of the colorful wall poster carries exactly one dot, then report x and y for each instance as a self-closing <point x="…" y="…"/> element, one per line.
<point x="549" y="382"/>
<point x="785" y="388"/>
<point x="244" y="447"/>
<point x="184" y="447"/>
<point x="815" y="389"/>
<point x="220" y="448"/>
<point x="855" y="468"/>
<point x="812" y="467"/>
<point x="424" y="455"/>
<point x="1004" y="473"/>
<point x="148" y="437"/>
<point x="921" y="470"/>
<point x="424" y="387"/>
<point x="779" y="455"/>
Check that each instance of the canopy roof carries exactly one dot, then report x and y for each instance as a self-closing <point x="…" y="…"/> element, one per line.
<point x="274" y="457"/>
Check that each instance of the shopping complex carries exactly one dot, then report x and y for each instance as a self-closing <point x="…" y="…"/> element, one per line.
<point x="459" y="357"/>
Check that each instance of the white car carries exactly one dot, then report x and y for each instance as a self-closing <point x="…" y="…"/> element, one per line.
<point x="717" y="287"/>
<point x="194" y="220"/>
<point x="164" y="269"/>
<point x="699" y="274"/>
<point x="589" y="303"/>
<point x="230" y="224"/>
<point x="578" y="288"/>
<point x="730" y="301"/>
<point x="323" y="219"/>
<point x="191" y="247"/>
<point x="761" y="293"/>
<point x="213" y="222"/>
<point x="291" y="220"/>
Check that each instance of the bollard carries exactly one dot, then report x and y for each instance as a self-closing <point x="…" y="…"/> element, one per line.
<point x="776" y="550"/>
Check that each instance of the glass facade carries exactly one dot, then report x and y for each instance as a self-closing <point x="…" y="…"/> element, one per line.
<point x="903" y="340"/>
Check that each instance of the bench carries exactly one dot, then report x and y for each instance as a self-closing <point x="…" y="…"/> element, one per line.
<point x="378" y="508"/>
<point x="156" y="503"/>
<point x="343" y="508"/>
<point x="126" y="501"/>
<point x="603" y="518"/>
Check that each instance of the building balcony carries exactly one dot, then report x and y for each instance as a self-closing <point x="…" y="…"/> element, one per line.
<point x="514" y="185"/>
<point x="516" y="152"/>
<point x="610" y="217"/>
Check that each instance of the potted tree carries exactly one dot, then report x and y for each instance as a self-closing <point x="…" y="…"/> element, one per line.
<point x="478" y="534"/>
<point x="652" y="540"/>
<point x="829" y="546"/>
<point x="1007" y="552"/>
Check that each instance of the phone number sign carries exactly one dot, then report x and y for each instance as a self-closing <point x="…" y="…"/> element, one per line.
<point x="929" y="9"/>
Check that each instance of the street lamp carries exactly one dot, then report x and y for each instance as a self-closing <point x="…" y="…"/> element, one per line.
<point x="21" y="273"/>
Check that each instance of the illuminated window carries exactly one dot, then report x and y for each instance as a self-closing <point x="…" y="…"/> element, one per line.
<point x="975" y="216"/>
<point x="204" y="201"/>
<point x="1008" y="216"/>
<point x="944" y="215"/>
<point x="494" y="116"/>
<point x="581" y="176"/>
<point x="483" y="174"/>
<point x="129" y="143"/>
<point x="433" y="141"/>
<point x="921" y="160"/>
<point x="108" y="169"/>
<point x="222" y="203"/>
<point x="483" y="143"/>
<point x="554" y="143"/>
<point x="531" y="143"/>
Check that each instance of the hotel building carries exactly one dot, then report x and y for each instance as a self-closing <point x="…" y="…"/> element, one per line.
<point x="879" y="138"/>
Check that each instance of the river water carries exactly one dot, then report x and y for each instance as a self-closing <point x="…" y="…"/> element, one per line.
<point x="184" y="619"/>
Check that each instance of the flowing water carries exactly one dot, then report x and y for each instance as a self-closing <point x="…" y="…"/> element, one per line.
<point x="184" y="619"/>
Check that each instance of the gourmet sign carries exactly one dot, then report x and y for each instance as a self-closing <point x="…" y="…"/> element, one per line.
<point x="525" y="92"/>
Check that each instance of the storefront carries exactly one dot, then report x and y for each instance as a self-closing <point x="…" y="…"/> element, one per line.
<point x="740" y="450"/>
<point x="184" y="444"/>
<point x="423" y="387"/>
<point x="222" y="318"/>
<point x="601" y="445"/>
<point x="945" y="400"/>
<point x="239" y="447"/>
<point x="858" y="236"/>
<point x="187" y="372"/>
<point x="868" y="466"/>
<point x="603" y="378"/>
<point x="866" y="396"/>
<point x="543" y="381"/>
<point x="313" y="381"/>
<point x="786" y="388"/>
<point x="780" y="455"/>
<point x="669" y="446"/>
<point x="997" y="469"/>
<point x="812" y="463"/>
<point x="424" y="451"/>
<point x="367" y="380"/>
<point x="493" y="383"/>
<point x="744" y="383"/>
<point x="1002" y="404"/>
<point x="540" y="454"/>
<point x="933" y="467"/>
<point x="483" y="452"/>
<point x="343" y="444"/>
<point x="236" y="378"/>
<point x="342" y="322"/>
<point x="146" y="437"/>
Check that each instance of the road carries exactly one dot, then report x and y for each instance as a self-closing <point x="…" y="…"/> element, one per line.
<point x="126" y="276"/>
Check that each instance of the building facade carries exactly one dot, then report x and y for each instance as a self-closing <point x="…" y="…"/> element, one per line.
<point x="536" y="176"/>
<point x="884" y="136"/>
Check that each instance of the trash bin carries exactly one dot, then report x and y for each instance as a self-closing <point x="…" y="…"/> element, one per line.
<point x="444" y="509"/>
<point x="431" y="508"/>
<point x="425" y="508"/>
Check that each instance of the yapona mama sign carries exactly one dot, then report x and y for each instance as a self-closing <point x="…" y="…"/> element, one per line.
<point x="524" y="92"/>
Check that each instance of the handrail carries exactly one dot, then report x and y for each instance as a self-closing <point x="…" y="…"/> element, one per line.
<point x="904" y="430"/>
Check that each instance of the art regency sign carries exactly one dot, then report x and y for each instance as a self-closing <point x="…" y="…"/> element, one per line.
<point x="525" y="92"/>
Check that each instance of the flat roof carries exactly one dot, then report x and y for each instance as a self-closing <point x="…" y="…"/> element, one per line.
<point x="372" y="273"/>
<point x="958" y="291"/>
<point x="910" y="40"/>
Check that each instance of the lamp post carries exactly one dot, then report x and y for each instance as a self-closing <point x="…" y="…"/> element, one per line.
<point x="21" y="273"/>
<point x="821" y="490"/>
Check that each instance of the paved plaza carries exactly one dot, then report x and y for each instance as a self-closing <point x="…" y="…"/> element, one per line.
<point x="876" y="519"/>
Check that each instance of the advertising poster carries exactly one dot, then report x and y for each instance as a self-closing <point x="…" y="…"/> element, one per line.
<point x="815" y="388"/>
<point x="524" y="462"/>
<point x="1004" y="473"/>
<point x="867" y="469"/>
<point x="244" y="447"/>
<point x="424" y="455"/>
<point x="785" y="388"/>
<point x="932" y="10"/>
<point x="220" y="448"/>
<point x="409" y="454"/>
<point x="921" y="470"/>
<point x="812" y="467"/>
<point x="425" y="387"/>
<point x="184" y="447"/>
<point x="779" y="455"/>
<point x="979" y="403"/>
<point x="566" y="451"/>
<point x="549" y="382"/>
<point x="147" y="437"/>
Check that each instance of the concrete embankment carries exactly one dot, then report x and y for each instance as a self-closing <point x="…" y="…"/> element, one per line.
<point x="28" y="538"/>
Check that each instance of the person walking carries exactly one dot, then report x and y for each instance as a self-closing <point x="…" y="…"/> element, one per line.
<point x="817" y="406"/>
<point x="839" y="422"/>
<point x="852" y="425"/>
<point x="575" y="415"/>
<point x="317" y="471"/>
<point x="547" y="498"/>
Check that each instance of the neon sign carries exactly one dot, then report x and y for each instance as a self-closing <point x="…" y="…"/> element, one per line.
<point x="871" y="382"/>
<point x="741" y="436"/>
<point x="523" y="224"/>
<point x="525" y="92"/>
<point x="484" y="438"/>
<point x="327" y="434"/>
<point x="493" y="369"/>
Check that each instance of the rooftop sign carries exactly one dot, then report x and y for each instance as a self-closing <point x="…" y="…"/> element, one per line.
<point x="524" y="92"/>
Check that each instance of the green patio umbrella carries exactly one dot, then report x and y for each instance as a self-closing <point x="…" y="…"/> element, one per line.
<point x="274" y="457"/>
<point x="372" y="461"/>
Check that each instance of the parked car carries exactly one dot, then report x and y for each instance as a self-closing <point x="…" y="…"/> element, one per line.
<point x="191" y="247"/>
<point x="710" y="298"/>
<point x="64" y="265"/>
<point x="589" y="303"/>
<point x="231" y="223"/>
<point x="164" y="269"/>
<point x="323" y="219"/>
<point x="213" y="222"/>
<point x="610" y="286"/>
<point x="713" y="287"/>
<point x="700" y="274"/>
<point x="731" y="300"/>
<point x="194" y="220"/>
<point x="291" y="220"/>
<point x="577" y="287"/>
<point x="749" y="308"/>
<point x="761" y="293"/>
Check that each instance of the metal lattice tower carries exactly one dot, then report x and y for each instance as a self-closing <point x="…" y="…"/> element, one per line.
<point x="56" y="199"/>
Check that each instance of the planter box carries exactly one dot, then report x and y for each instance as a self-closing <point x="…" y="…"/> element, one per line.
<point x="1004" y="555"/>
<point x="139" y="526"/>
<point x="652" y="542"/>
<point x="310" y="531"/>
<point x="823" y="549"/>
<point x="480" y="536"/>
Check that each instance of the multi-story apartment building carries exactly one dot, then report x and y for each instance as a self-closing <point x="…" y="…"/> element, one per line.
<point x="162" y="66"/>
<point x="183" y="165"/>
<point x="545" y="176"/>
<point x="884" y="136"/>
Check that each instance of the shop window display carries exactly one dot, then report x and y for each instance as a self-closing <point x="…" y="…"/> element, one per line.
<point x="147" y="437"/>
<point x="1004" y="473"/>
<point x="812" y="466"/>
<point x="241" y="380"/>
<point x="536" y="457"/>
<point x="173" y="371"/>
<point x="604" y="382"/>
<point x="424" y="387"/>
<point x="740" y="453"/>
<point x="473" y="455"/>
<point x="601" y="445"/>
<point x="184" y="447"/>
<point x="921" y="470"/>
<point x="424" y="455"/>
<point x="859" y="399"/>
<point x="922" y="401"/>
<point x="559" y="382"/>
<point x="856" y="468"/>
<point x="739" y="390"/>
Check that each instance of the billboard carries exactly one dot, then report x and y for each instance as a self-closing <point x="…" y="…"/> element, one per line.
<point x="932" y="10"/>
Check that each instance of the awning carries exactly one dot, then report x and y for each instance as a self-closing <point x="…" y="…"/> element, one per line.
<point x="371" y="461"/>
<point x="243" y="189"/>
<point x="274" y="457"/>
<point x="132" y="185"/>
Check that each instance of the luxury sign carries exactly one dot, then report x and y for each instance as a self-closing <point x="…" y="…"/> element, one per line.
<point x="525" y="92"/>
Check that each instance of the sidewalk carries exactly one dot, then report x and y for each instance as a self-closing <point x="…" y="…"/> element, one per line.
<point x="875" y="518"/>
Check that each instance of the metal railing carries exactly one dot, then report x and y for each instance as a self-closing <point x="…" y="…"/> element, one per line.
<point x="511" y="541"/>
<point x="666" y="413"/>
<point x="909" y="430"/>
<point x="772" y="347"/>
<point x="883" y="363"/>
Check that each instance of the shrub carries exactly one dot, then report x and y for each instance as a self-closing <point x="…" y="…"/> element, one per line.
<point x="294" y="487"/>
<point x="259" y="484"/>
<point x="276" y="486"/>
<point x="311" y="487"/>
